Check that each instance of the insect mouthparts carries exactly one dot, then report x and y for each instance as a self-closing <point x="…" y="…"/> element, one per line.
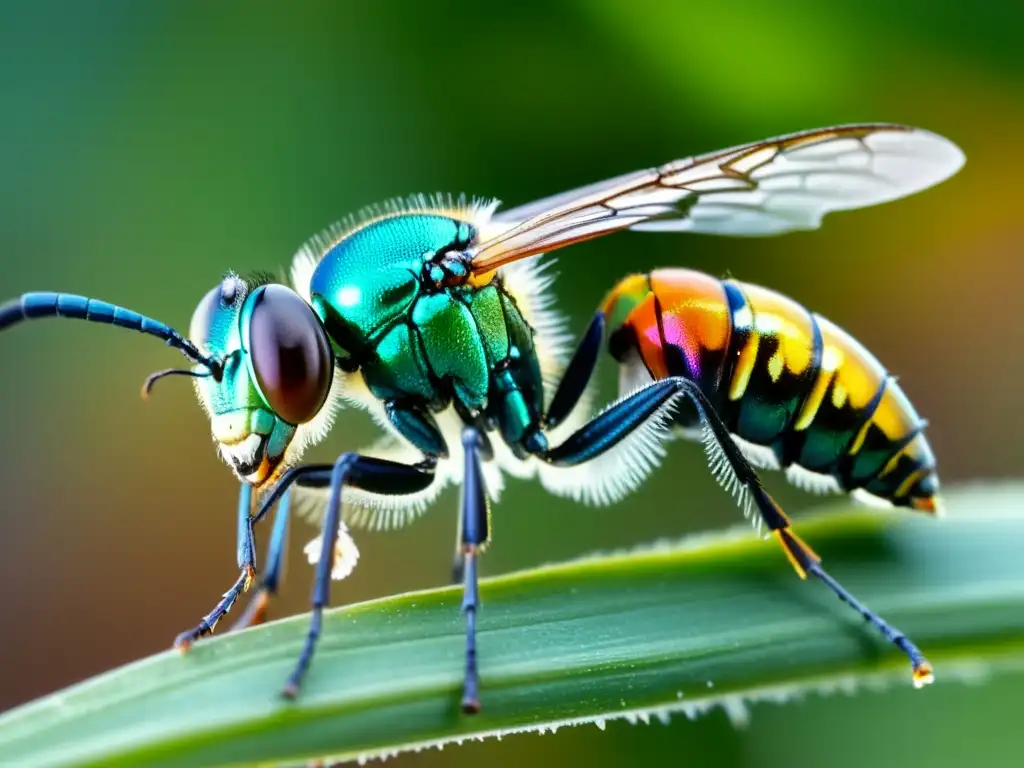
<point x="247" y="455"/>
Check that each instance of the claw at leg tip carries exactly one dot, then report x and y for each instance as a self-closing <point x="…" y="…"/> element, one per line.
<point x="290" y="691"/>
<point x="471" y="705"/>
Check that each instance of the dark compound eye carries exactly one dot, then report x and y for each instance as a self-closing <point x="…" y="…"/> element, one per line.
<point x="291" y="356"/>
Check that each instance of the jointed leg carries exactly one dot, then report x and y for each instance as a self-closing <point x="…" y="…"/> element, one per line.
<point x="804" y="560"/>
<point x="484" y="453"/>
<point x="616" y="423"/>
<point x="256" y="611"/>
<point x="474" y="533"/>
<point x="577" y="374"/>
<point x="312" y="476"/>
<point x="246" y="564"/>
<point x="309" y="476"/>
<point x="377" y="475"/>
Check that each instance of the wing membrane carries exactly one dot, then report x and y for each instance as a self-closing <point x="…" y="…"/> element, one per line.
<point x="766" y="187"/>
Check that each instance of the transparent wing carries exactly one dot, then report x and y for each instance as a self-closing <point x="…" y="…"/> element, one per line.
<point x="764" y="188"/>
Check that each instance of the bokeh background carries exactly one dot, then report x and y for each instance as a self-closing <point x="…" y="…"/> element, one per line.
<point x="146" y="148"/>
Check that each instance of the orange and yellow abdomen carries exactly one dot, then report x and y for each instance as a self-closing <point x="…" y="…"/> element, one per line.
<point x="785" y="380"/>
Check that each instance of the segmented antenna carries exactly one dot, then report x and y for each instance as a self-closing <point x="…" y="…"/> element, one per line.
<point x="153" y="378"/>
<point x="31" y="306"/>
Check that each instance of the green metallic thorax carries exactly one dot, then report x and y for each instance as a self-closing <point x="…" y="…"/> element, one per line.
<point x="420" y="341"/>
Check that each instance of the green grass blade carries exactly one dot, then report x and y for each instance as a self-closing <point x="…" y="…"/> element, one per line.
<point x="717" y="619"/>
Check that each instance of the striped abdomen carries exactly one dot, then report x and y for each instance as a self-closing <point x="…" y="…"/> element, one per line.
<point x="799" y="392"/>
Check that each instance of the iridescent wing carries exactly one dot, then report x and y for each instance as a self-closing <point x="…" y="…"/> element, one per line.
<point x="767" y="187"/>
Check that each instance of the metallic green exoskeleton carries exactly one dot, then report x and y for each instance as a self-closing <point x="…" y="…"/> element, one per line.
<point x="433" y="316"/>
<point x="394" y="299"/>
<point x="250" y="421"/>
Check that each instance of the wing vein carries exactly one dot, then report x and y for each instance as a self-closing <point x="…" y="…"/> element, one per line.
<point x="741" y="191"/>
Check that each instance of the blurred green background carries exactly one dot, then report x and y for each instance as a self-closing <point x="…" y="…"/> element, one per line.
<point x="146" y="148"/>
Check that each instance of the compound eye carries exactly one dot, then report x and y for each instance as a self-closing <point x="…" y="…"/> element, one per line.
<point x="202" y="318"/>
<point x="290" y="354"/>
<point x="216" y="301"/>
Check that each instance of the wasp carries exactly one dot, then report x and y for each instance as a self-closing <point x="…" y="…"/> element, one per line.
<point x="436" y="316"/>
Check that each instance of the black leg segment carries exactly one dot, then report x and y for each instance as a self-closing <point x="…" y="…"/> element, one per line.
<point x="577" y="374"/>
<point x="473" y="513"/>
<point x="377" y="475"/>
<point x="256" y="611"/>
<point x="246" y="564"/>
<point x="615" y="424"/>
<point x="804" y="560"/>
<point x="618" y="422"/>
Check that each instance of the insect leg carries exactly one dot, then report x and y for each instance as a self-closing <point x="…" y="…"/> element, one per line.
<point x="617" y="422"/>
<point x="484" y="452"/>
<point x="371" y="474"/>
<point x="310" y="476"/>
<point x="256" y="611"/>
<point x="416" y="425"/>
<point x="577" y="374"/>
<point x="246" y="564"/>
<point x="313" y="476"/>
<point x="804" y="560"/>
<point x="474" y="529"/>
